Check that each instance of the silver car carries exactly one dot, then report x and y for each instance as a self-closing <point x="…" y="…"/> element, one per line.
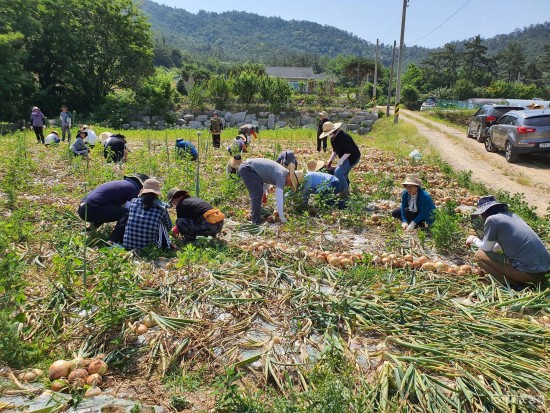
<point x="520" y="132"/>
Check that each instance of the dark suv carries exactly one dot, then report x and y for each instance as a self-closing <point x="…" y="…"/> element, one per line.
<point x="479" y="124"/>
<point x="520" y="131"/>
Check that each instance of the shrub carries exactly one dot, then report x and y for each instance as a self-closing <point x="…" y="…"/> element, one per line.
<point x="446" y="228"/>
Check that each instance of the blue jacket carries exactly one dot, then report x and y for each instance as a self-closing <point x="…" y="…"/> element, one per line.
<point x="424" y="205"/>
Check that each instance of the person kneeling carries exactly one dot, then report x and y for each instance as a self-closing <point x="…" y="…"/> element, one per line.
<point x="524" y="258"/>
<point x="195" y="217"/>
<point x="148" y="222"/>
<point x="417" y="208"/>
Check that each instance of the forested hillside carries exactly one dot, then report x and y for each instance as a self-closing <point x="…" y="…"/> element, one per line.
<point x="234" y="35"/>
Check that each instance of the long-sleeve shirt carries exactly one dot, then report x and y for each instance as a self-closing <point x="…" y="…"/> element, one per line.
<point x="79" y="146"/>
<point x="38" y="119"/>
<point x="316" y="182"/>
<point x="272" y="173"/>
<point x="424" y="205"/>
<point x="146" y="227"/>
<point x="65" y="118"/>
<point x="112" y="193"/>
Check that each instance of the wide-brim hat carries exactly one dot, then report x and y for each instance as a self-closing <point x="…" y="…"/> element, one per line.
<point x="314" y="166"/>
<point x="84" y="127"/>
<point x="296" y="177"/>
<point x="286" y="158"/>
<point x="150" y="186"/>
<point x="486" y="202"/>
<point x="175" y="193"/>
<point x="137" y="177"/>
<point x="412" y="179"/>
<point x="329" y="127"/>
<point x="104" y="136"/>
<point x="235" y="163"/>
<point x="82" y="131"/>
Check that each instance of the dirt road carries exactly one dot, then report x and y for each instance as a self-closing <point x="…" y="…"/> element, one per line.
<point x="531" y="176"/>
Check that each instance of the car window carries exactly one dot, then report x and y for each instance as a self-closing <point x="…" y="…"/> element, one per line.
<point x="506" y="120"/>
<point x="538" y="121"/>
<point x="482" y="111"/>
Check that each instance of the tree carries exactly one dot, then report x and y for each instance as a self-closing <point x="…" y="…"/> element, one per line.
<point x="218" y="90"/>
<point x="157" y="93"/>
<point x="414" y="76"/>
<point x="464" y="89"/>
<point x="89" y="47"/>
<point x="476" y="66"/>
<point x="275" y="91"/>
<point x="441" y="67"/>
<point x="511" y="62"/>
<point x="245" y="86"/>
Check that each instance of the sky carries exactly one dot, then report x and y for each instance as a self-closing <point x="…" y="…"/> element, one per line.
<point x="429" y="23"/>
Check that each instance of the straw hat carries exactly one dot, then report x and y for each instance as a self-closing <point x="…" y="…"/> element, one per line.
<point x="175" y="193"/>
<point x="296" y="177"/>
<point x="314" y="166"/>
<point x="151" y="186"/>
<point x="412" y="179"/>
<point x="104" y="136"/>
<point x="235" y="163"/>
<point x="486" y="202"/>
<point x="328" y="128"/>
<point x="323" y="114"/>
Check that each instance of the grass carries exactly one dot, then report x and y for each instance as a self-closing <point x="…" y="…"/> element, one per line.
<point x="271" y="329"/>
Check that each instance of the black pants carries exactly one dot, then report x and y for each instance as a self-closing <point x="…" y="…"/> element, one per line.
<point x="216" y="140"/>
<point x="39" y="132"/>
<point x="324" y="142"/>
<point x="409" y="216"/>
<point x="106" y="213"/>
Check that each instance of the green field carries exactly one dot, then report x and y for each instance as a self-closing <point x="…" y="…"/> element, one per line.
<point x="258" y="320"/>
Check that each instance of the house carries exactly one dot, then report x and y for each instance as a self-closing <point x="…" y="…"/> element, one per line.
<point x="297" y="76"/>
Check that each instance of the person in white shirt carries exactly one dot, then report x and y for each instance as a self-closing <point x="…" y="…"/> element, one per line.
<point x="91" y="139"/>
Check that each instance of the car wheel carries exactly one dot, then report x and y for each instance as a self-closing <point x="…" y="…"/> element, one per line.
<point x="489" y="146"/>
<point x="479" y="137"/>
<point x="469" y="133"/>
<point x="510" y="152"/>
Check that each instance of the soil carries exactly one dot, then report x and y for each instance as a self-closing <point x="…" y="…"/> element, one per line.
<point x="530" y="176"/>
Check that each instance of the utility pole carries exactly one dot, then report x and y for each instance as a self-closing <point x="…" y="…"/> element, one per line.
<point x="391" y="80"/>
<point x="375" y="72"/>
<point x="400" y="64"/>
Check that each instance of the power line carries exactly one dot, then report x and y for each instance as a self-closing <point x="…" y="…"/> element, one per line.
<point x="444" y="21"/>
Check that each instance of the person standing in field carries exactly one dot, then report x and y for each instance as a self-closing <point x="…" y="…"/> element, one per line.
<point x="323" y="117"/>
<point x="66" y="122"/>
<point x="510" y="250"/>
<point x="216" y="127"/>
<point x="38" y="123"/>
<point x="347" y="151"/>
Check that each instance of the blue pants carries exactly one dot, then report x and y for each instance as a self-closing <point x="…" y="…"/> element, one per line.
<point x="342" y="171"/>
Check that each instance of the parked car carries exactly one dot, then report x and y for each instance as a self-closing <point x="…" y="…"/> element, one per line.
<point x="487" y="115"/>
<point x="520" y="132"/>
<point x="428" y="104"/>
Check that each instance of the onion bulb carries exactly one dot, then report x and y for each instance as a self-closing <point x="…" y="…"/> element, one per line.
<point x="149" y="321"/>
<point x="97" y="366"/>
<point x="59" y="385"/>
<point x="78" y="376"/>
<point x="92" y="392"/>
<point x="58" y="369"/>
<point x="94" y="379"/>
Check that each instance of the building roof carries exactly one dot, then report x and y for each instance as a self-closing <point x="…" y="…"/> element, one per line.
<point x="297" y="73"/>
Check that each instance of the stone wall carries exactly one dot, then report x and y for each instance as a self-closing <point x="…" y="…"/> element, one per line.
<point x="356" y="121"/>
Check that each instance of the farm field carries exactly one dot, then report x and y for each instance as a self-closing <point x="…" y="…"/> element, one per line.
<point x="334" y="311"/>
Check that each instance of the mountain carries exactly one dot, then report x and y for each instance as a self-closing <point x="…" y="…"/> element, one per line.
<point x="241" y="36"/>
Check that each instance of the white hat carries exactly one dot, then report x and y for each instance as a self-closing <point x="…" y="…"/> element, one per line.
<point x="328" y="128"/>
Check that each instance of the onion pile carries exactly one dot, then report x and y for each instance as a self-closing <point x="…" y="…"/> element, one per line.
<point x="423" y="263"/>
<point x="77" y="374"/>
<point x="30" y="375"/>
<point x="262" y="246"/>
<point x="336" y="259"/>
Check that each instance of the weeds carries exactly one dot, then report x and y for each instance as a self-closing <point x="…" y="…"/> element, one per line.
<point x="446" y="232"/>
